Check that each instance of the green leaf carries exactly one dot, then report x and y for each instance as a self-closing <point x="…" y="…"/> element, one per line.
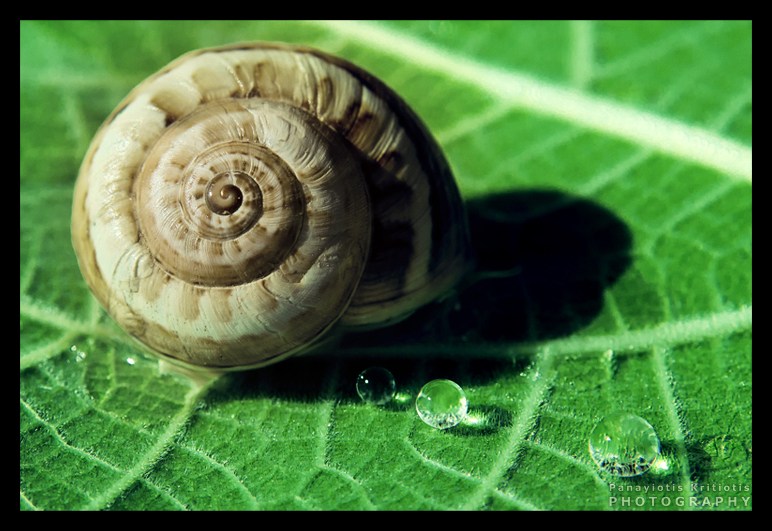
<point x="607" y="168"/>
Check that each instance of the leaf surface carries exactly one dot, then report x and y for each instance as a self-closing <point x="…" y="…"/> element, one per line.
<point x="607" y="167"/>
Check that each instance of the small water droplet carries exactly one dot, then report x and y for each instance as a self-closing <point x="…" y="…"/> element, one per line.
<point x="624" y="445"/>
<point x="79" y="354"/>
<point x="441" y="404"/>
<point x="376" y="386"/>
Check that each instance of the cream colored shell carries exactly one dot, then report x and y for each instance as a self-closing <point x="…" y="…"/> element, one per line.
<point x="244" y="200"/>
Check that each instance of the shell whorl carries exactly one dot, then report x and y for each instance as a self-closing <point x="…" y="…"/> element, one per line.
<point x="245" y="199"/>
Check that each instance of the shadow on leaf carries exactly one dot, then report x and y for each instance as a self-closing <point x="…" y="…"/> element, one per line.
<point x="483" y="420"/>
<point x="544" y="259"/>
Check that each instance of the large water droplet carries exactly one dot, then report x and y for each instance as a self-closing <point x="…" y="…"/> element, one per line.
<point x="441" y="404"/>
<point x="624" y="445"/>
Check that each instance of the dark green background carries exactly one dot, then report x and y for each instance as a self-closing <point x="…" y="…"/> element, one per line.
<point x="631" y="286"/>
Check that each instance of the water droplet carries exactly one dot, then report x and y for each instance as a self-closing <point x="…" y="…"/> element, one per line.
<point x="376" y="386"/>
<point x="441" y="404"/>
<point x="79" y="354"/>
<point x="624" y="445"/>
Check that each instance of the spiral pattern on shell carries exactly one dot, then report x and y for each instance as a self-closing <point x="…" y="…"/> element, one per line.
<point x="245" y="199"/>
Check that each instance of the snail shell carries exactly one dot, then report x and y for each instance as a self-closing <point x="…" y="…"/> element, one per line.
<point x="245" y="199"/>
